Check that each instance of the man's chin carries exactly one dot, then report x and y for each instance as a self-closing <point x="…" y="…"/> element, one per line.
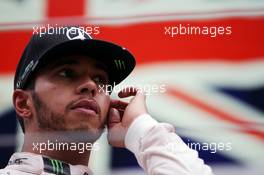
<point x="87" y="132"/>
<point x="73" y="135"/>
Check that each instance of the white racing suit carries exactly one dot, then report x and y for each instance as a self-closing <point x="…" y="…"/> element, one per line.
<point x="159" y="151"/>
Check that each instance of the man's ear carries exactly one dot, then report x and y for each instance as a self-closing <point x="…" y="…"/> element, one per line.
<point x="22" y="102"/>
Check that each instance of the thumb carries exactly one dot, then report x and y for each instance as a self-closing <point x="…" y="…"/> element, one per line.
<point x="113" y="118"/>
<point x="140" y="96"/>
<point x="138" y="102"/>
<point x="116" y="133"/>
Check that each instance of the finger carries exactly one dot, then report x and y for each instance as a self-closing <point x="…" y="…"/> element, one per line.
<point x="132" y="91"/>
<point x="113" y="117"/>
<point x="128" y="91"/>
<point x="121" y="112"/>
<point x="118" y="104"/>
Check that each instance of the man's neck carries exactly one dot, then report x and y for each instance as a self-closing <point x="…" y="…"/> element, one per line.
<point x="30" y="163"/>
<point x="70" y="157"/>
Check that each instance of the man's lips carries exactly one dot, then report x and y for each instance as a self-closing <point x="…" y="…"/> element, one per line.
<point x="86" y="105"/>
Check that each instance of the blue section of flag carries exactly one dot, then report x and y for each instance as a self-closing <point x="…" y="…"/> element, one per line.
<point x="122" y="158"/>
<point x="251" y="96"/>
<point x="8" y="126"/>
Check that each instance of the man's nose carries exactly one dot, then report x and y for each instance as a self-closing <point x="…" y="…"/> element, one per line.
<point x="87" y="87"/>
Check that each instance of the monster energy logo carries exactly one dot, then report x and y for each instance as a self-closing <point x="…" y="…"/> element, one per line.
<point x="120" y="64"/>
<point x="56" y="167"/>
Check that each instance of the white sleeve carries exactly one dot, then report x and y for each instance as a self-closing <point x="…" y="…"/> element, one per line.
<point x="160" y="151"/>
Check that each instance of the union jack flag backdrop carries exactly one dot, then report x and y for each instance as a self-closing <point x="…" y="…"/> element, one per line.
<point x="214" y="85"/>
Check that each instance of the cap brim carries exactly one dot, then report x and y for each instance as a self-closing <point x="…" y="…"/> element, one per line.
<point x="119" y="61"/>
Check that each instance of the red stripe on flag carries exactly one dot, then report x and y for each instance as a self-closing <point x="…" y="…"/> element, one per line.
<point x="11" y="50"/>
<point x="65" y="8"/>
<point x="245" y="126"/>
<point x="149" y="44"/>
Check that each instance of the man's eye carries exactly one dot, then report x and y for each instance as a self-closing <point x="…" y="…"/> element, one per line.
<point x="99" y="80"/>
<point x="68" y="73"/>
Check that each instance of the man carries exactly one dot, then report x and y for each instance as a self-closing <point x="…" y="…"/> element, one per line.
<point x="62" y="100"/>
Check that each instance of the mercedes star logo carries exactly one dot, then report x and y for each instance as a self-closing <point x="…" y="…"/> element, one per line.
<point x="77" y="33"/>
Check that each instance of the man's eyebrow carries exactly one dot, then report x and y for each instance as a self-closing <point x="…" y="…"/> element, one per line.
<point x="63" y="62"/>
<point x="97" y="65"/>
<point x="101" y="66"/>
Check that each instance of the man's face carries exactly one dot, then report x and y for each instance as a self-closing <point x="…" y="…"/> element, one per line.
<point x="67" y="96"/>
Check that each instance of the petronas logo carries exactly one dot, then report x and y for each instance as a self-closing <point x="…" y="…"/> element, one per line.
<point x="56" y="167"/>
<point x="120" y="64"/>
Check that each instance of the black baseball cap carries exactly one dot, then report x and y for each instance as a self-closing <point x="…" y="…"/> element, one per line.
<point x="72" y="40"/>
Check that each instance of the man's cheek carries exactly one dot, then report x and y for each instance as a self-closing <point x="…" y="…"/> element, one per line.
<point x="59" y="104"/>
<point x="104" y="104"/>
<point x="54" y="96"/>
